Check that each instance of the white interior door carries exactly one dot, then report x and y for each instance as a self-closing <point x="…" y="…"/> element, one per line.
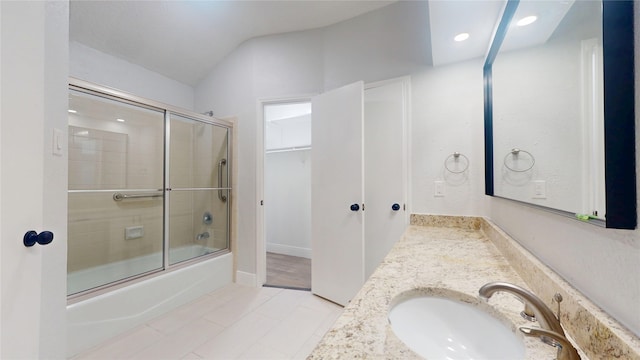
<point x="337" y="267"/>
<point x="33" y="101"/>
<point x="384" y="169"/>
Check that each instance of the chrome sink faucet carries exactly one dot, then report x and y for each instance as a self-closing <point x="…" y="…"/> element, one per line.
<point x="551" y="333"/>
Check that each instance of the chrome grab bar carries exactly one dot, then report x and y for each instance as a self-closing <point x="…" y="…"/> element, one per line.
<point x="120" y="196"/>
<point x="221" y="163"/>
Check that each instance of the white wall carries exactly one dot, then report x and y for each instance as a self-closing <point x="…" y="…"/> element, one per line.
<point x="284" y="65"/>
<point x="447" y="116"/>
<point x="288" y="133"/>
<point x="287" y="183"/>
<point x="89" y="64"/>
<point x="391" y="42"/>
<point x="287" y="190"/>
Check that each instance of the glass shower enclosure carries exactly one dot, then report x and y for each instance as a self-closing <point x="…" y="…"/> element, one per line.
<point x="148" y="188"/>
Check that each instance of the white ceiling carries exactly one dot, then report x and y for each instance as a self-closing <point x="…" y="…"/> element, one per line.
<point x="449" y="18"/>
<point x="184" y="40"/>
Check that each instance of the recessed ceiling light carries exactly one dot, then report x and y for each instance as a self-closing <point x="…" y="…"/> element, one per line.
<point x="120" y="120"/>
<point x="527" y="20"/>
<point x="72" y="111"/>
<point x="461" y="37"/>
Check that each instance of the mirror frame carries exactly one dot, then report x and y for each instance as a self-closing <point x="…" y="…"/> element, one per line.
<point x="619" y="111"/>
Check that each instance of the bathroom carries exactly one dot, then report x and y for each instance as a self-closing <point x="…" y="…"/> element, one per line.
<point x="446" y="100"/>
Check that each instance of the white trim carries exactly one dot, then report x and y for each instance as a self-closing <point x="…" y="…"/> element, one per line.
<point x="247" y="279"/>
<point x="289" y="250"/>
<point x="261" y="252"/>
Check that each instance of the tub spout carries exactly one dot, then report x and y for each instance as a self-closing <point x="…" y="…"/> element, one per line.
<point x="203" y="236"/>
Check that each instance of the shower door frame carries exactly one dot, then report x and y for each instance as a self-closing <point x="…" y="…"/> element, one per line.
<point x="117" y="95"/>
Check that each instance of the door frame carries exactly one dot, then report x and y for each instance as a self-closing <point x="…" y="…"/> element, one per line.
<point x="261" y="236"/>
<point x="261" y="254"/>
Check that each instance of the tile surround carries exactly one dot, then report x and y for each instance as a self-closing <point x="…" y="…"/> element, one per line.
<point x="435" y="256"/>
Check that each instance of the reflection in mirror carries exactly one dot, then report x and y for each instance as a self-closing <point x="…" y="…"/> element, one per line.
<point x="559" y="109"/>
<point x="548" y="133"/>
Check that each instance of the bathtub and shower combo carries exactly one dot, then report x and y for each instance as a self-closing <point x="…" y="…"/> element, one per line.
<point x="148" y="210"/>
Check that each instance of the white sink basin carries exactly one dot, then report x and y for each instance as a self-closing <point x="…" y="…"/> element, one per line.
<point x="440" y="328"/>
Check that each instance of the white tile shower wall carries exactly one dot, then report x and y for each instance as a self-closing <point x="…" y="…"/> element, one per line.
<point x="131" y="157"/>
<point x="109" y="155"/>
<point x="97" y="159"/>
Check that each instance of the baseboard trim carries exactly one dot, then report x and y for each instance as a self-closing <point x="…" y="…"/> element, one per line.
<point x="246" y="279"/>
<point x="289" y="250"/>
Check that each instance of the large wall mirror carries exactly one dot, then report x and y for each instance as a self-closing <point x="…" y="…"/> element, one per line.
<point x="559" y="109"/>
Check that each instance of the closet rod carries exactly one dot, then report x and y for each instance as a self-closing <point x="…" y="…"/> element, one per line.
<point x="289" y="149"/>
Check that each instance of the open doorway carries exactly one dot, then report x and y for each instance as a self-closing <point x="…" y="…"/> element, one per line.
<point x="287" y="194"/>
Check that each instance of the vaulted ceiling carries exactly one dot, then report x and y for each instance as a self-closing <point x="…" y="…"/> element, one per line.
<point x="184" y="40"/>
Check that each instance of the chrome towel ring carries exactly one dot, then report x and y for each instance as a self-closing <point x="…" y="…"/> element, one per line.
<point x="455" y="157"/>
<point x="514" y="153"/>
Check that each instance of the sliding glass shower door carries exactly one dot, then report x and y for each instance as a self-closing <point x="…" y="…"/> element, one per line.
<point x="198" y="188"/>
<point x="115" y="191"/>
<point x="148" y="188"/>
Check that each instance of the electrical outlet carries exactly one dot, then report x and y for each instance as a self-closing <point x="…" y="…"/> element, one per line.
<point x="539" y="189"/>
<point x="439" y="188"/>
<point x="133" y="232"/>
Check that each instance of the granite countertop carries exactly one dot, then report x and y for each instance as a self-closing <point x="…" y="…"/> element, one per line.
<point x="451" y="262"/>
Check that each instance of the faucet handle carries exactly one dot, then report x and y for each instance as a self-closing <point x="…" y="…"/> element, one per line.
<point x="566" y="351"/>
<point x="557" y="298"/>
<point x="528" y="313"/>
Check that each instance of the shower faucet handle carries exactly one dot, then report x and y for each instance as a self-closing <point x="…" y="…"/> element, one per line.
<point x="207" y="218"/>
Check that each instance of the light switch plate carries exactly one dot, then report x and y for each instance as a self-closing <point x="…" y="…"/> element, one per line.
<point x="58" y="142"/>
<point x="439" y="188"/>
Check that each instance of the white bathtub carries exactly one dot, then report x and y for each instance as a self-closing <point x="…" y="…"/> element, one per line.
<point x="81" y="280"/>
<point x="97" y="319"/>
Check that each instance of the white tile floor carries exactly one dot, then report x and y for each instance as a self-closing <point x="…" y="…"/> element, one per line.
<point x="235" y="322"/>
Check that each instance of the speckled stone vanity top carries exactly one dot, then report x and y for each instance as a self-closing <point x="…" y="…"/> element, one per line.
<point x="442" y="256"/>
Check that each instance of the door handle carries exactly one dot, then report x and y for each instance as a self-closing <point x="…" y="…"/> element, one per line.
<point x="32" y="237"/>
<point x="395" y="207"/>
<point x="355" y="207"/>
